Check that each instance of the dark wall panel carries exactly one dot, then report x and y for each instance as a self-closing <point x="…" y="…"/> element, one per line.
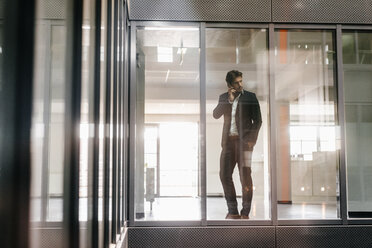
<point x="322" y="11"/>
<point x="201" y="10"/>
<point x="213" y="237"/>
<point x="324" y="237"/>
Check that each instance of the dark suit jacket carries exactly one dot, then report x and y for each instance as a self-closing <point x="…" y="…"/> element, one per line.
<point x="247" y="117"/>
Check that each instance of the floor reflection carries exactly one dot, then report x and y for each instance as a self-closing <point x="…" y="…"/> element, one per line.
<point x="188" y="208"/>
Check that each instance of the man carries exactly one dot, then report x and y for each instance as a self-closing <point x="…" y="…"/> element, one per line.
<point x="242" y="121"/>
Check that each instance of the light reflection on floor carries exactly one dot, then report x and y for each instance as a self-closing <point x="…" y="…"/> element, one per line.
<point x="188" y="208"/>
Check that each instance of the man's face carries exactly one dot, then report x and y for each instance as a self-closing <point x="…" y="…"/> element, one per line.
<point x="238" y="84"/>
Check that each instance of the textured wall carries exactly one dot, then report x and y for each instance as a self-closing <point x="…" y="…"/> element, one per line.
<point x="201" y="10"/>
<point x="51" y="9"/>
<point x="289" y="11"/>
<point x="214" y="237"/>
<point x="322" y="11"/>
<point x="280" y="236"/>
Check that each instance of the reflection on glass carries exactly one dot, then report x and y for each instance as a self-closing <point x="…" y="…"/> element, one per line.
<point x="357" y="52"/>
<point x="102" y="112"/>
<point x="305" y="110"/>
<point x="86" y="126"/>
<point x="47" y="133"/>
<point x="244" y="50"/>
<point x="56" y="124"/>
<point x="167" y="166"/>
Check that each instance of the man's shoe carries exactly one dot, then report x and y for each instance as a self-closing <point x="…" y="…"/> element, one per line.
<point x="246" y="217"/>
<point x="232" y="217"/>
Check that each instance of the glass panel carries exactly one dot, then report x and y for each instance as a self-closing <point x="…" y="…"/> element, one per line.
<point x="102" y="121"/>
<point x="87" y="125"/>
<point x="305" y="110"/>
<point x="358" y="112"/>
<point x="244" y="50"/>
<point x="168" y="106"/>
<point x="56" y="124"/>
<point x="48" y="120"/>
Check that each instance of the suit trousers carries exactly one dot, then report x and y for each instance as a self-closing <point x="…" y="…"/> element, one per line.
<point x="232" y="154"/>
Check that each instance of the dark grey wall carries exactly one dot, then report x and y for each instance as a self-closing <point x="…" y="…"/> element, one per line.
<point x="322" y="11"/>
<point x="245" y="237"/>
<point x="193" y="237"/>
<point x="201" y="10"/>
<point x="289" y="11"/>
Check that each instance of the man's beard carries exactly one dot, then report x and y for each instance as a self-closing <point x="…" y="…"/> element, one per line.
<point x="237" y="93"/>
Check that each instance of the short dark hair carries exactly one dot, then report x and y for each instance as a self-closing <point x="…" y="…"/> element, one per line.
<point x="231" y="75"/>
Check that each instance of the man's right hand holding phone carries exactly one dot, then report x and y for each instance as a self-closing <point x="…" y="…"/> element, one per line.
<point x="231" y="93"/>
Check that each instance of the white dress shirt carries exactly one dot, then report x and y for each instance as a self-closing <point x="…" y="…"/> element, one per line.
<point x="233" y="127"/>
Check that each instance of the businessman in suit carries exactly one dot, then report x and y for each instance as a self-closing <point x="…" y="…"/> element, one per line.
<point x="242" y="122"/>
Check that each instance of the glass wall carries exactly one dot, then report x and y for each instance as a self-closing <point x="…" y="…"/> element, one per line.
<point x="87" y="127"/>
<point x="48" y="122"/>
<point x="100" y="155"/>
<point x="167" y="123"/>
<point x="102" y="115"/>
<point x="357" y="60"/>
<point x="306" y="121"/>
<point x="244" y="50"/>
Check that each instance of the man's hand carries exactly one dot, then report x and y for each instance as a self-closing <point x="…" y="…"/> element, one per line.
<point x="231" y="94"/>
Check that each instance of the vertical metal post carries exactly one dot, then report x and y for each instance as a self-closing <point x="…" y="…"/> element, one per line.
<point x="15" y="121"/>
<point x="119" y="122"/>
<point x="115" y="124"/>
<point x="203" y="137"/>
<point x="125" y="123"/>
<point x="132" y="122"/>
<point x="341" y="123"/>
<point x="274" y="202"/>
<point x="107" y="132"/>
<point x="96" y="117"/>
<point x="72" y="123"/>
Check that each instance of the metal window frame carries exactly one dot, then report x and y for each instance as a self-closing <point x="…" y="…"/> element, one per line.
<point x="340" y="29"/>
<point x="132" y="152"/>
<point x="126" y="113"/>
<point x="132" y="123"/>
<point x="272" y="135"/>
<point x="72" y="121"/>
<point x="271" y="27"/>
<point x="121" y="111"/>
<point x="107" y="134"/>
<point x="202" y="123"/>
<point x="333" y="28"/>
<point x="96" y="116"/>
<point x="114" y="139"/>
<point x="259" y="222"/>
